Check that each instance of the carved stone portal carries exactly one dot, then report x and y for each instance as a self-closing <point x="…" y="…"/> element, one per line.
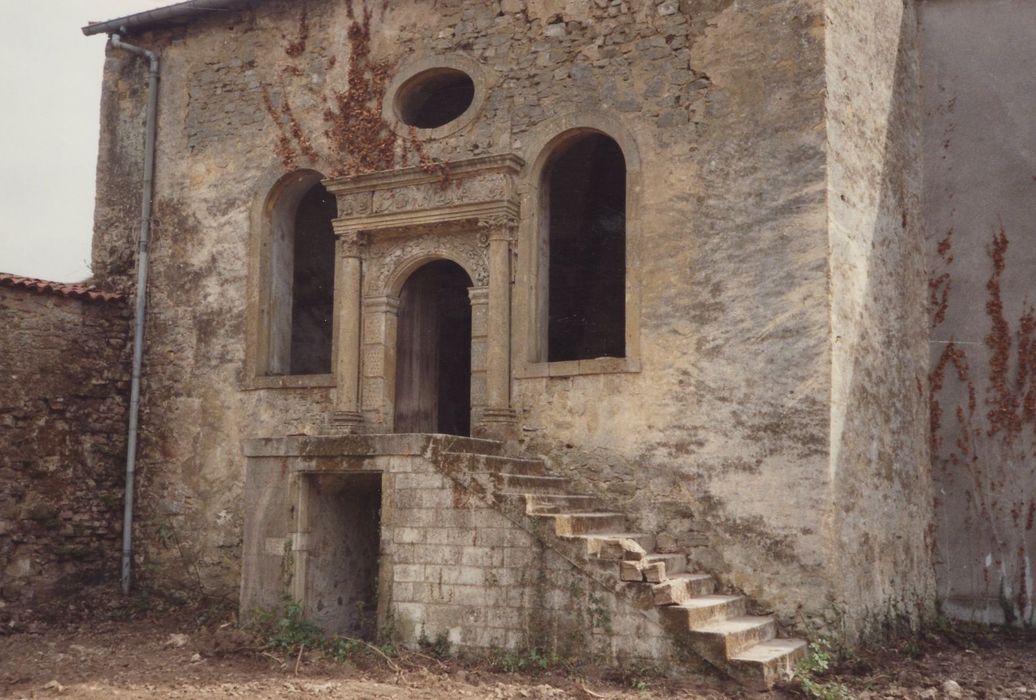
<point x="392" y="223"/>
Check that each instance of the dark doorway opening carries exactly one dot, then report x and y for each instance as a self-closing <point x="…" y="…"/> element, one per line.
<point x="344" y="545"/>
<point x="585" y="187"/>
<point x="433" y="352"/>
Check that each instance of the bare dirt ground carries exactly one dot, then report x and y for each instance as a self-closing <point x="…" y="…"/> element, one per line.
<point x="184" y="654"/>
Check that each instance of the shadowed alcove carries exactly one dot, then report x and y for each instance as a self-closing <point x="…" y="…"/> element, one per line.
<point x="344" y="514"/>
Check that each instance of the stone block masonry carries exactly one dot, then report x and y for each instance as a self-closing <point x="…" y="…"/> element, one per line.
<point x="449" y="563"/>
<point x="65" y="370"/>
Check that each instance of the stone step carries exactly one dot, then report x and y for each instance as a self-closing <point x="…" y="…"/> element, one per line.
<point x="652" y="568"/>
<point x="480" y="446"/>
<point x="703" y="609"/>
<point x="761" y="665"/>
<point x="716" y="626"/>
<point x="494" y="464"/>
<point x="526" y="483"/>
<point x="561" y="503"/>
<point x="682" y="587"/>
<point x="586" y="523"/>
<point x="721" y="640"/>
<point x="617" y="546"/>
<point x="659" y="567"/>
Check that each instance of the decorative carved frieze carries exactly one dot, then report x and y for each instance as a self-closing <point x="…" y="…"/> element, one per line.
<point x="414" y="200"/>
<point x="387" y="256"/>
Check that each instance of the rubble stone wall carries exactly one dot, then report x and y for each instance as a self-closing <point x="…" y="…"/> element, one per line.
<point x="65" y="380"/>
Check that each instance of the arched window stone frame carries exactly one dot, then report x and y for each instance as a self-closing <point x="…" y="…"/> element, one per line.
<point x="530" y="312"/>
<point x="272" y="230"/>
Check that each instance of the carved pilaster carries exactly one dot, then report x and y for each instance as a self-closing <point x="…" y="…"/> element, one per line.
<point x="351" y="247"/>
<point x="498" y="418"/>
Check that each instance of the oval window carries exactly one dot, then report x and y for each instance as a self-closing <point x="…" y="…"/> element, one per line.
<point x="434" y="97"/>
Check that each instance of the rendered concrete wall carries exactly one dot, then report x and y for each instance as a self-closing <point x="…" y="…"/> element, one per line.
<point x="879" y="466"/>
<point x="63" y="395"/>
<point x="980" y="213"/>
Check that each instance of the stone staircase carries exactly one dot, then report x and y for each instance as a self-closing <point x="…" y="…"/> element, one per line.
<point x="715" y="627"/>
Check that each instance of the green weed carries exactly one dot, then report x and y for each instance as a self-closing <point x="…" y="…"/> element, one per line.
<point x="529" y="660"/>
<point x="286" y="629"/>
<point x="438" y="647"/>
<point x="818" y="662"/>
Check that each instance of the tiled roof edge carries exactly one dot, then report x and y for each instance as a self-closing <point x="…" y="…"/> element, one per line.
<point x="64" y="289"/>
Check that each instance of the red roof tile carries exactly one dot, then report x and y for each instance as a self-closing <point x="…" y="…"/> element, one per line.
<point x="75" y="291"/>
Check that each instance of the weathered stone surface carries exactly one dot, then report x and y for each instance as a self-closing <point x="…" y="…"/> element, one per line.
<point x="768" y="414"/>
<point x="62" y="430"/>
<point x="879" y="465"/>
<point x="450" y="563"/>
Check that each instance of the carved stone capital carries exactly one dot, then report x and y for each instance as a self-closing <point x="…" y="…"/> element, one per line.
<point x="352" y="244"/>
<point x="498" y="227"/>
<point x="479" y="295"/>
<point x="381" y="305"/>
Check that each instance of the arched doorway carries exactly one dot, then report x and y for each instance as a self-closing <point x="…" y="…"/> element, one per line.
<point x="433" y="352"/>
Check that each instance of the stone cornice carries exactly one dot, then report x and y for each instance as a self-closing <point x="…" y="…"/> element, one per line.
<point x="474" y="213"/>
<point x="417" y="175"/>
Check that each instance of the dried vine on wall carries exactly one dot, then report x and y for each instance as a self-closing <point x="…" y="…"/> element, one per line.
<point x="992" y="447"/>
<point x="359" y="138"/>
<point x="297" y="46"/>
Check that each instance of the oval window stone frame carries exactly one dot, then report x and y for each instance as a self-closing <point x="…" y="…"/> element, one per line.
<point x="416" y="67"/>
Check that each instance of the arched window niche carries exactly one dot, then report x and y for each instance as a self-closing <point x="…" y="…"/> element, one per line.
<point x="582" y="315"/>
<point x="297" y="279"/>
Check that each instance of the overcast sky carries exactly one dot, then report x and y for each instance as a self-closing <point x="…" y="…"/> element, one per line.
<point x="50" y="79"/>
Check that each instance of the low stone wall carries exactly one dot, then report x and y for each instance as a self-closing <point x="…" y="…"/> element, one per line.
<point x="65" y="379"/>
<point x="450" y="563"/>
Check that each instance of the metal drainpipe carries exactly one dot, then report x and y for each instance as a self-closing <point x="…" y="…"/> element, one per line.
<point x="141" y="306"/>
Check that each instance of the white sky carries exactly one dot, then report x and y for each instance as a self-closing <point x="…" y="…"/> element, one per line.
<point x="50" y="80"/>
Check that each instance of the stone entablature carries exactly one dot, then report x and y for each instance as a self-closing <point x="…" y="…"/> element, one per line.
<point x="390" y="223"/>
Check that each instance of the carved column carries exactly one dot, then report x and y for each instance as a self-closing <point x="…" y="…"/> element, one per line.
<point x="498" y="418"/>
<point x="348" y="310"/>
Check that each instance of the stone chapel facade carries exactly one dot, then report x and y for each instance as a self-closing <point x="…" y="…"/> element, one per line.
<point x="590" y="324"/>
